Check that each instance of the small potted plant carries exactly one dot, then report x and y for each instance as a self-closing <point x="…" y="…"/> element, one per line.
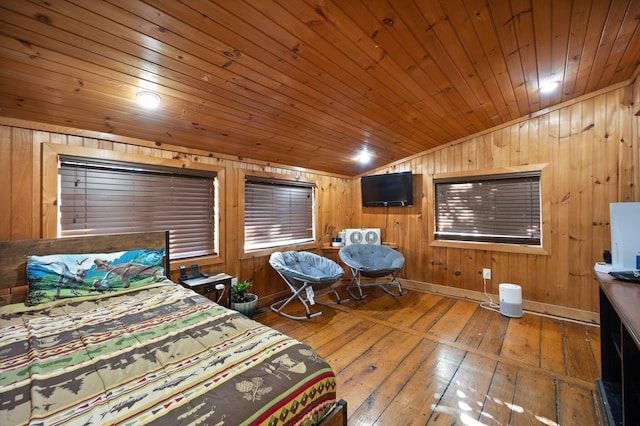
<point x="241" y="300"/>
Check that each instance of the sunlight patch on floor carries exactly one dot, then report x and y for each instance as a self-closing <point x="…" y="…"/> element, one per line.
<point x="465" y="411"/>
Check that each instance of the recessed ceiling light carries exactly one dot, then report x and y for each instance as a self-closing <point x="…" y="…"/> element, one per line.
<point x="364" y="157"/>
<point x="148" y="99"/>
<point x="549" y="86"/>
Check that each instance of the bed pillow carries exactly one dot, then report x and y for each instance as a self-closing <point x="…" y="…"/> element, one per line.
<point x="61" y="276"/>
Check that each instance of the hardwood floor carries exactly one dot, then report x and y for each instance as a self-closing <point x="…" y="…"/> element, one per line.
<point x="424" y="358"/>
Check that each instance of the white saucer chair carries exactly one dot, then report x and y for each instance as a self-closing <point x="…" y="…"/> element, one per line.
<point x="305" y="273"/>
<point x="373" y="261"/>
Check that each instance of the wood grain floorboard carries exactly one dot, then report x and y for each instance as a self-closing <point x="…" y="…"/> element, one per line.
<point x="428" y="359"/>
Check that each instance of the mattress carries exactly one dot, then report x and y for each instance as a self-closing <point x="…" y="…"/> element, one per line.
<point x="160" y="355"/>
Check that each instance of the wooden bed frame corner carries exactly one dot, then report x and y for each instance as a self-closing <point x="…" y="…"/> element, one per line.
<point x="337" y="417"/>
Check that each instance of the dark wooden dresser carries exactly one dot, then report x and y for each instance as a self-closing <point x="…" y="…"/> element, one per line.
<point x="619" y="387"/>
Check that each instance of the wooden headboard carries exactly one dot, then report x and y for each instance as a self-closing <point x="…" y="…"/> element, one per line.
<point x="13" y="261"/>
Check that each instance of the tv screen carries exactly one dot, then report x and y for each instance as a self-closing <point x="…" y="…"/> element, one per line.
<point x="391" y="189"/>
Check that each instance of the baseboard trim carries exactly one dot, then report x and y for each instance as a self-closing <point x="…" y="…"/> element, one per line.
<point x="527" y="305"/>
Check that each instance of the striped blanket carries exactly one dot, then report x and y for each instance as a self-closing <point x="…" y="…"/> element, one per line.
<point x="163" y="355"/>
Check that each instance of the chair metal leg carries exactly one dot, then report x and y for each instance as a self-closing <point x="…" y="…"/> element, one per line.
<point x="355" y="277"/>
<point x="279" y="305"/>
<point x="384" y="286"/>
<point x="338" y="301"/>
<point x="394" y="282"/>
<point x="298" y="293"/>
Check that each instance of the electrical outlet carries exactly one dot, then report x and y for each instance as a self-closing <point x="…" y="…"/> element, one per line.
<point x="486" y="273"/>
<point x="234" y="281"/>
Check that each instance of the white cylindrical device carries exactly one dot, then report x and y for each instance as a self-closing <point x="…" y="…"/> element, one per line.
<point x="510" y="300"/>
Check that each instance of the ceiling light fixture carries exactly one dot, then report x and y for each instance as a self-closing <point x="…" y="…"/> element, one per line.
<point x="364" y="157"/>
<point x="148" y="99"/>
<point x="549" y="86"/>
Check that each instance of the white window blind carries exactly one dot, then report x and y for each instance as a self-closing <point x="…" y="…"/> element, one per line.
<point x="100" y="197"/>
<point x="277" y="213"/>
<point x="494" y="209"/>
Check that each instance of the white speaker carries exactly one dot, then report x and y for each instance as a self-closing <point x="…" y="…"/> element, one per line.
<point x="510" y="300"/>
<point x="362" y="236"/>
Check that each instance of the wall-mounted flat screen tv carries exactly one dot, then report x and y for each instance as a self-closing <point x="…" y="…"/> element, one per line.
<point x="387" y="190"/>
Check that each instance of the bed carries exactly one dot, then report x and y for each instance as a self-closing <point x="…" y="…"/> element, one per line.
<point x="101" y="336"/>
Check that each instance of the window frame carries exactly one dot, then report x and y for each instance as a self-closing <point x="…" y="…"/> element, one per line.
<point x="242" y="176"/>
<point x="51" y="188"/>
<point x="545" y="204"/>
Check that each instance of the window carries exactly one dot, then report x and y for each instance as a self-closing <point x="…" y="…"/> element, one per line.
<point x="107" y="197"/>
<point x="492" y="209"/>
<point x="277" y="213"/>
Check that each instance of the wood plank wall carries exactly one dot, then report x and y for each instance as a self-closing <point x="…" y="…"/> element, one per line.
<point x="22" y="144"/>
<point x="591" y="147"/>
<point x="590" y="144"/>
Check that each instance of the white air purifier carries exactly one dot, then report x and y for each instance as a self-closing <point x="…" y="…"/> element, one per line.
<point x="510" y="300"/>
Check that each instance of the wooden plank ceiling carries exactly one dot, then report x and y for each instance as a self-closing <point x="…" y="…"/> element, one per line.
<point x="307" y="83"/>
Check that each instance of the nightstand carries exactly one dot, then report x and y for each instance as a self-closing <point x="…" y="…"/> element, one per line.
<point x="206" y="286"/>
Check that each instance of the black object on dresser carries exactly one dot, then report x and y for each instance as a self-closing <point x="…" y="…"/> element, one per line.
<point x="619" y="387"/>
